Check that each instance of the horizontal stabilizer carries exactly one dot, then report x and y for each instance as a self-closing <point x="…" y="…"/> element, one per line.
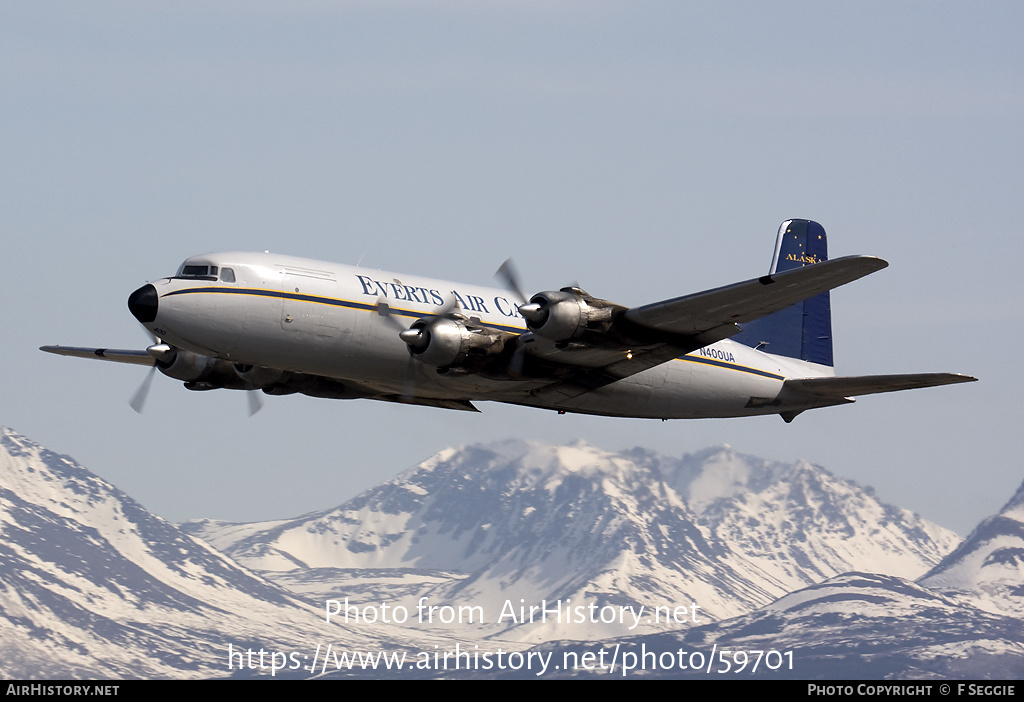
<point x="870" y="384"/>
<point x="139" y="358"/>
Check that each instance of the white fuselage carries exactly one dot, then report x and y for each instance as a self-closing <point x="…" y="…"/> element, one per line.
<point x="324" y="319"/>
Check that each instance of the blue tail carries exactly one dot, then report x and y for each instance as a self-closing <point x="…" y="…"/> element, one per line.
<point x="803" y="330"/>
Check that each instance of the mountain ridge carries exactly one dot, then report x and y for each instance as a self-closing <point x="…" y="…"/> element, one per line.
<point x="92" y="585"/>
<point x="987" y="568"/>
<point x="518" y="519"/>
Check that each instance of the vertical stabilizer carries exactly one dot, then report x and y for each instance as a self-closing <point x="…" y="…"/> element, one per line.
<point x="803" y="330"/>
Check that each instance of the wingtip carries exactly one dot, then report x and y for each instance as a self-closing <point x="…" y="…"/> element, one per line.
<point x="876" y="262"/>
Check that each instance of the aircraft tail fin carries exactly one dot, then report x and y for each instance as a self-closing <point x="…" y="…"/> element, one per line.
<point x="803" y="330"/>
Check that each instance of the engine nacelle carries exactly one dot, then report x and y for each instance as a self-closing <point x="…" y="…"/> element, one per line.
<point x="259" y="376"/>
<point x="199" y="372"/>
<point x="564" y="315"/>
<point x="445" y="342"/>
<point x="185" y="365"/>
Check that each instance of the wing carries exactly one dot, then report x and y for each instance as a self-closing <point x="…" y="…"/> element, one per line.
<point x="715" y="313"/>
<point x="643" y="337"/>
<point x="139" y="358"/>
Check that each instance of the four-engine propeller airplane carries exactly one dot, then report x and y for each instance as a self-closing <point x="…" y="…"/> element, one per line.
<point x="285" y="325"/>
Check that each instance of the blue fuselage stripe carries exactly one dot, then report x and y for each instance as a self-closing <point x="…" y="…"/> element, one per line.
<point x="332" y="301"/>
<point x="731" y="366"/>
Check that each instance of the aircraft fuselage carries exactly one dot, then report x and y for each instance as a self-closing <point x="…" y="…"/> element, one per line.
<point x="333" y="321"/>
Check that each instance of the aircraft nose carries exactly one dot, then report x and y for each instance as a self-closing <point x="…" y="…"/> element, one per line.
<point x="142" y="303"/>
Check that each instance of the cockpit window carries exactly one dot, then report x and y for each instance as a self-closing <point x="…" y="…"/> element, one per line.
<point x="200" y="272"/>
<point x="196" y="271"/>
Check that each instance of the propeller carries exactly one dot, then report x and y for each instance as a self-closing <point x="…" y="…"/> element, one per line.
<point x="255" y="400"/>
<point x="518" y="360"/>
<point x="164" y="353"/>
<point x="534" y="312"/>
<point x="416" y="337"/>
<point x="384" y="310"/>
<point x="160" y="352"/>
<point x="138" y="400"/>
<point x="508" y="274"/>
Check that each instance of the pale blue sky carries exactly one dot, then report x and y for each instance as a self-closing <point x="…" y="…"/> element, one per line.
<point x="647" y="150"/>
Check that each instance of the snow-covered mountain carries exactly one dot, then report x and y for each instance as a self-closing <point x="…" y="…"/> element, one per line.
<point x="527" y="524"/>
<point x="798" y="521"/>
<point x="854" y="626"/>
<point x="92" y="585"/>
<point x="987" y="569"/>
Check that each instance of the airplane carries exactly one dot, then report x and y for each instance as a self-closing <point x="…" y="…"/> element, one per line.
<point x="282" y="325"/>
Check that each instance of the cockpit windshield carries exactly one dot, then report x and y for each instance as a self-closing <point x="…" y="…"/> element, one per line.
<point x="202" y="272"/>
